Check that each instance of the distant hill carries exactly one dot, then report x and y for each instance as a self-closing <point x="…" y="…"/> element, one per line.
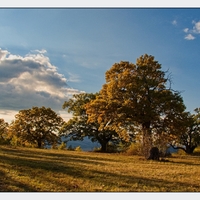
<point x="172" y="150"/>
<point x="86" y="144"/>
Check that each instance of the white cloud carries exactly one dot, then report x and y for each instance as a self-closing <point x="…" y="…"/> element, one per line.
<point x="174" y="22"/>
<point x="186" y="30"/>
<point x="73" y="77"/>
<point x="3" y="54"/>
<point x="65" y="115"/>
<point x="189" y="37"/>
<point x="196" y="28"/>
<point x="43" y="51"/>
<point x="8" y="115"/>
<point x="190" y="32"/>
<point x="31" y="80"/>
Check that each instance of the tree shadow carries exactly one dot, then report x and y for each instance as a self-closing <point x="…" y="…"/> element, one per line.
<point x="28" y="163"/>
<point x="184" y="163"/>
<point x="7" y="184"/>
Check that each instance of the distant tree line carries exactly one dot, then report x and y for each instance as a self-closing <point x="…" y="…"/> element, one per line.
<point x="136" y="105"/>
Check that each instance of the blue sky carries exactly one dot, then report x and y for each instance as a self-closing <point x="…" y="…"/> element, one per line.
<point x="48" y="54"/>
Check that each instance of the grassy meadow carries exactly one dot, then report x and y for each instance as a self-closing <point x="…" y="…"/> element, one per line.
<point x="50" y="170"/>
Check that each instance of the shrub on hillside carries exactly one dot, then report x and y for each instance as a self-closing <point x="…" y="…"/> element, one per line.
<point x="197" y="151"/>
<point x="78" y="148"/>
<point x="62" y="146"/>
<point x="181" y="152"/>
<point x="134" y="149"/>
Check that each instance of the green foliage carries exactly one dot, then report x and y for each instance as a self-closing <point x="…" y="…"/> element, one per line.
<point x="36" y="127"/>
<point x="76" y="105"/>
<point x="78" y="127"/>
<point x="15" y="141"/>
<point x="123" y="146"/>
<point x="189" y="138"/>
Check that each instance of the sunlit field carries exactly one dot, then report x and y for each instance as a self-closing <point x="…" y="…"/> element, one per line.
<point x="48" y="170"/>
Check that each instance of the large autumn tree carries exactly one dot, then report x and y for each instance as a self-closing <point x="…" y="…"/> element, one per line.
<point x="77" y="128"/>
<point x="38" y="126"/>
<point x="138" y="98"/>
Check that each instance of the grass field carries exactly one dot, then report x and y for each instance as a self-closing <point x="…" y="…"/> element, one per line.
<point x="48" y="170"/>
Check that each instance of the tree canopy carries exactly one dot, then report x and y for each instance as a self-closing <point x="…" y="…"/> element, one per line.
<point x="36" y="126"/>
<point x="137" y="98"/>
<point x="136" y="104"/>
<point x="78" y="128"/>
<point x="189" y="138"/>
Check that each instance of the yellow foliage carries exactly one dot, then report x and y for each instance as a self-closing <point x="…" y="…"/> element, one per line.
<point x="137" y="95"/>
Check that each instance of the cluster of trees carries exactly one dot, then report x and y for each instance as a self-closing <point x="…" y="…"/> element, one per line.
<point x="136" y="104"/>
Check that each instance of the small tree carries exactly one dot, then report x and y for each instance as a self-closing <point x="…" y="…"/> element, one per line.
<point x="37" y="126"/>
<point x="189" y="139"/>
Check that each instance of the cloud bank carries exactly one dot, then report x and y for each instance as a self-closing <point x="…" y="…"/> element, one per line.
<point x="31" y="80"/>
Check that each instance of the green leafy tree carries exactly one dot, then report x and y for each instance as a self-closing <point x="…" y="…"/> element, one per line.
<point x="189" y="138"/>
<point x="77" y="128"/>
<point x="137" y="98"/>
<point x="36" y="126"/>
<point x="3" y="131"/>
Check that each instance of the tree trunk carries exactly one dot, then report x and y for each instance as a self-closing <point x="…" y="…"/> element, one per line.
<point x="190" y="149"/>
<point x="39" y="142"/>
<point x="147" y="141"/>
<point x="103" y="141"/>
<point x="104" y="146"/>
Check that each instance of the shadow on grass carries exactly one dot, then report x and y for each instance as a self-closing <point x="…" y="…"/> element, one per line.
<point x="7" y="184"/>
<point x="59" y="156"/>
<point x="184" y="163"/>
<point x="34" y="165"/>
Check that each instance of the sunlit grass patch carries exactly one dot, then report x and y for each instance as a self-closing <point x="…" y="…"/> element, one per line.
<point x="50" y="170"/>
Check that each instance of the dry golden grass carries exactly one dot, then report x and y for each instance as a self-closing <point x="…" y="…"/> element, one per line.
<point x="48" y="170"/>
